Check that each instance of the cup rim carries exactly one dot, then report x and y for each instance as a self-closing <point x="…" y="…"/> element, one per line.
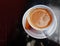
<point x="40" y="6"/>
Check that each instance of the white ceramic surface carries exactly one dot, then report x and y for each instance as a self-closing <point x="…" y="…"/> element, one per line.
<point x="38" y="34"/>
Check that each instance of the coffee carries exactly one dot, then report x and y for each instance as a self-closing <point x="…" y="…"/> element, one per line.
<point x="40" y="18"/>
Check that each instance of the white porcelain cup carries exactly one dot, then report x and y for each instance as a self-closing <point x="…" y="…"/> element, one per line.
<point x="50" y="29"/>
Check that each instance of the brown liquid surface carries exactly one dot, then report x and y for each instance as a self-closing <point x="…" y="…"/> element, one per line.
<point x="40" y="17"/>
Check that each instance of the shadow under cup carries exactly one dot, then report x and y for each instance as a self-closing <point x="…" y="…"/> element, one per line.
<point x="36" y="32"/>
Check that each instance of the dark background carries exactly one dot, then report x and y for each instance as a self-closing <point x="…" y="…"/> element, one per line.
<point x="11" y="12"/>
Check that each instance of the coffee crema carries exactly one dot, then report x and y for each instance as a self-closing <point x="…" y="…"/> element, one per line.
<point x="40" y="17"/>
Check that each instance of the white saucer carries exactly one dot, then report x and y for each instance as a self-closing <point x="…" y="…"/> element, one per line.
<point x="35" y="34"/>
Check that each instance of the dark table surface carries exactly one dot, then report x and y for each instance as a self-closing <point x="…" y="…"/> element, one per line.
<point x="11" y="30"/>
<point x="24" y="39"/>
